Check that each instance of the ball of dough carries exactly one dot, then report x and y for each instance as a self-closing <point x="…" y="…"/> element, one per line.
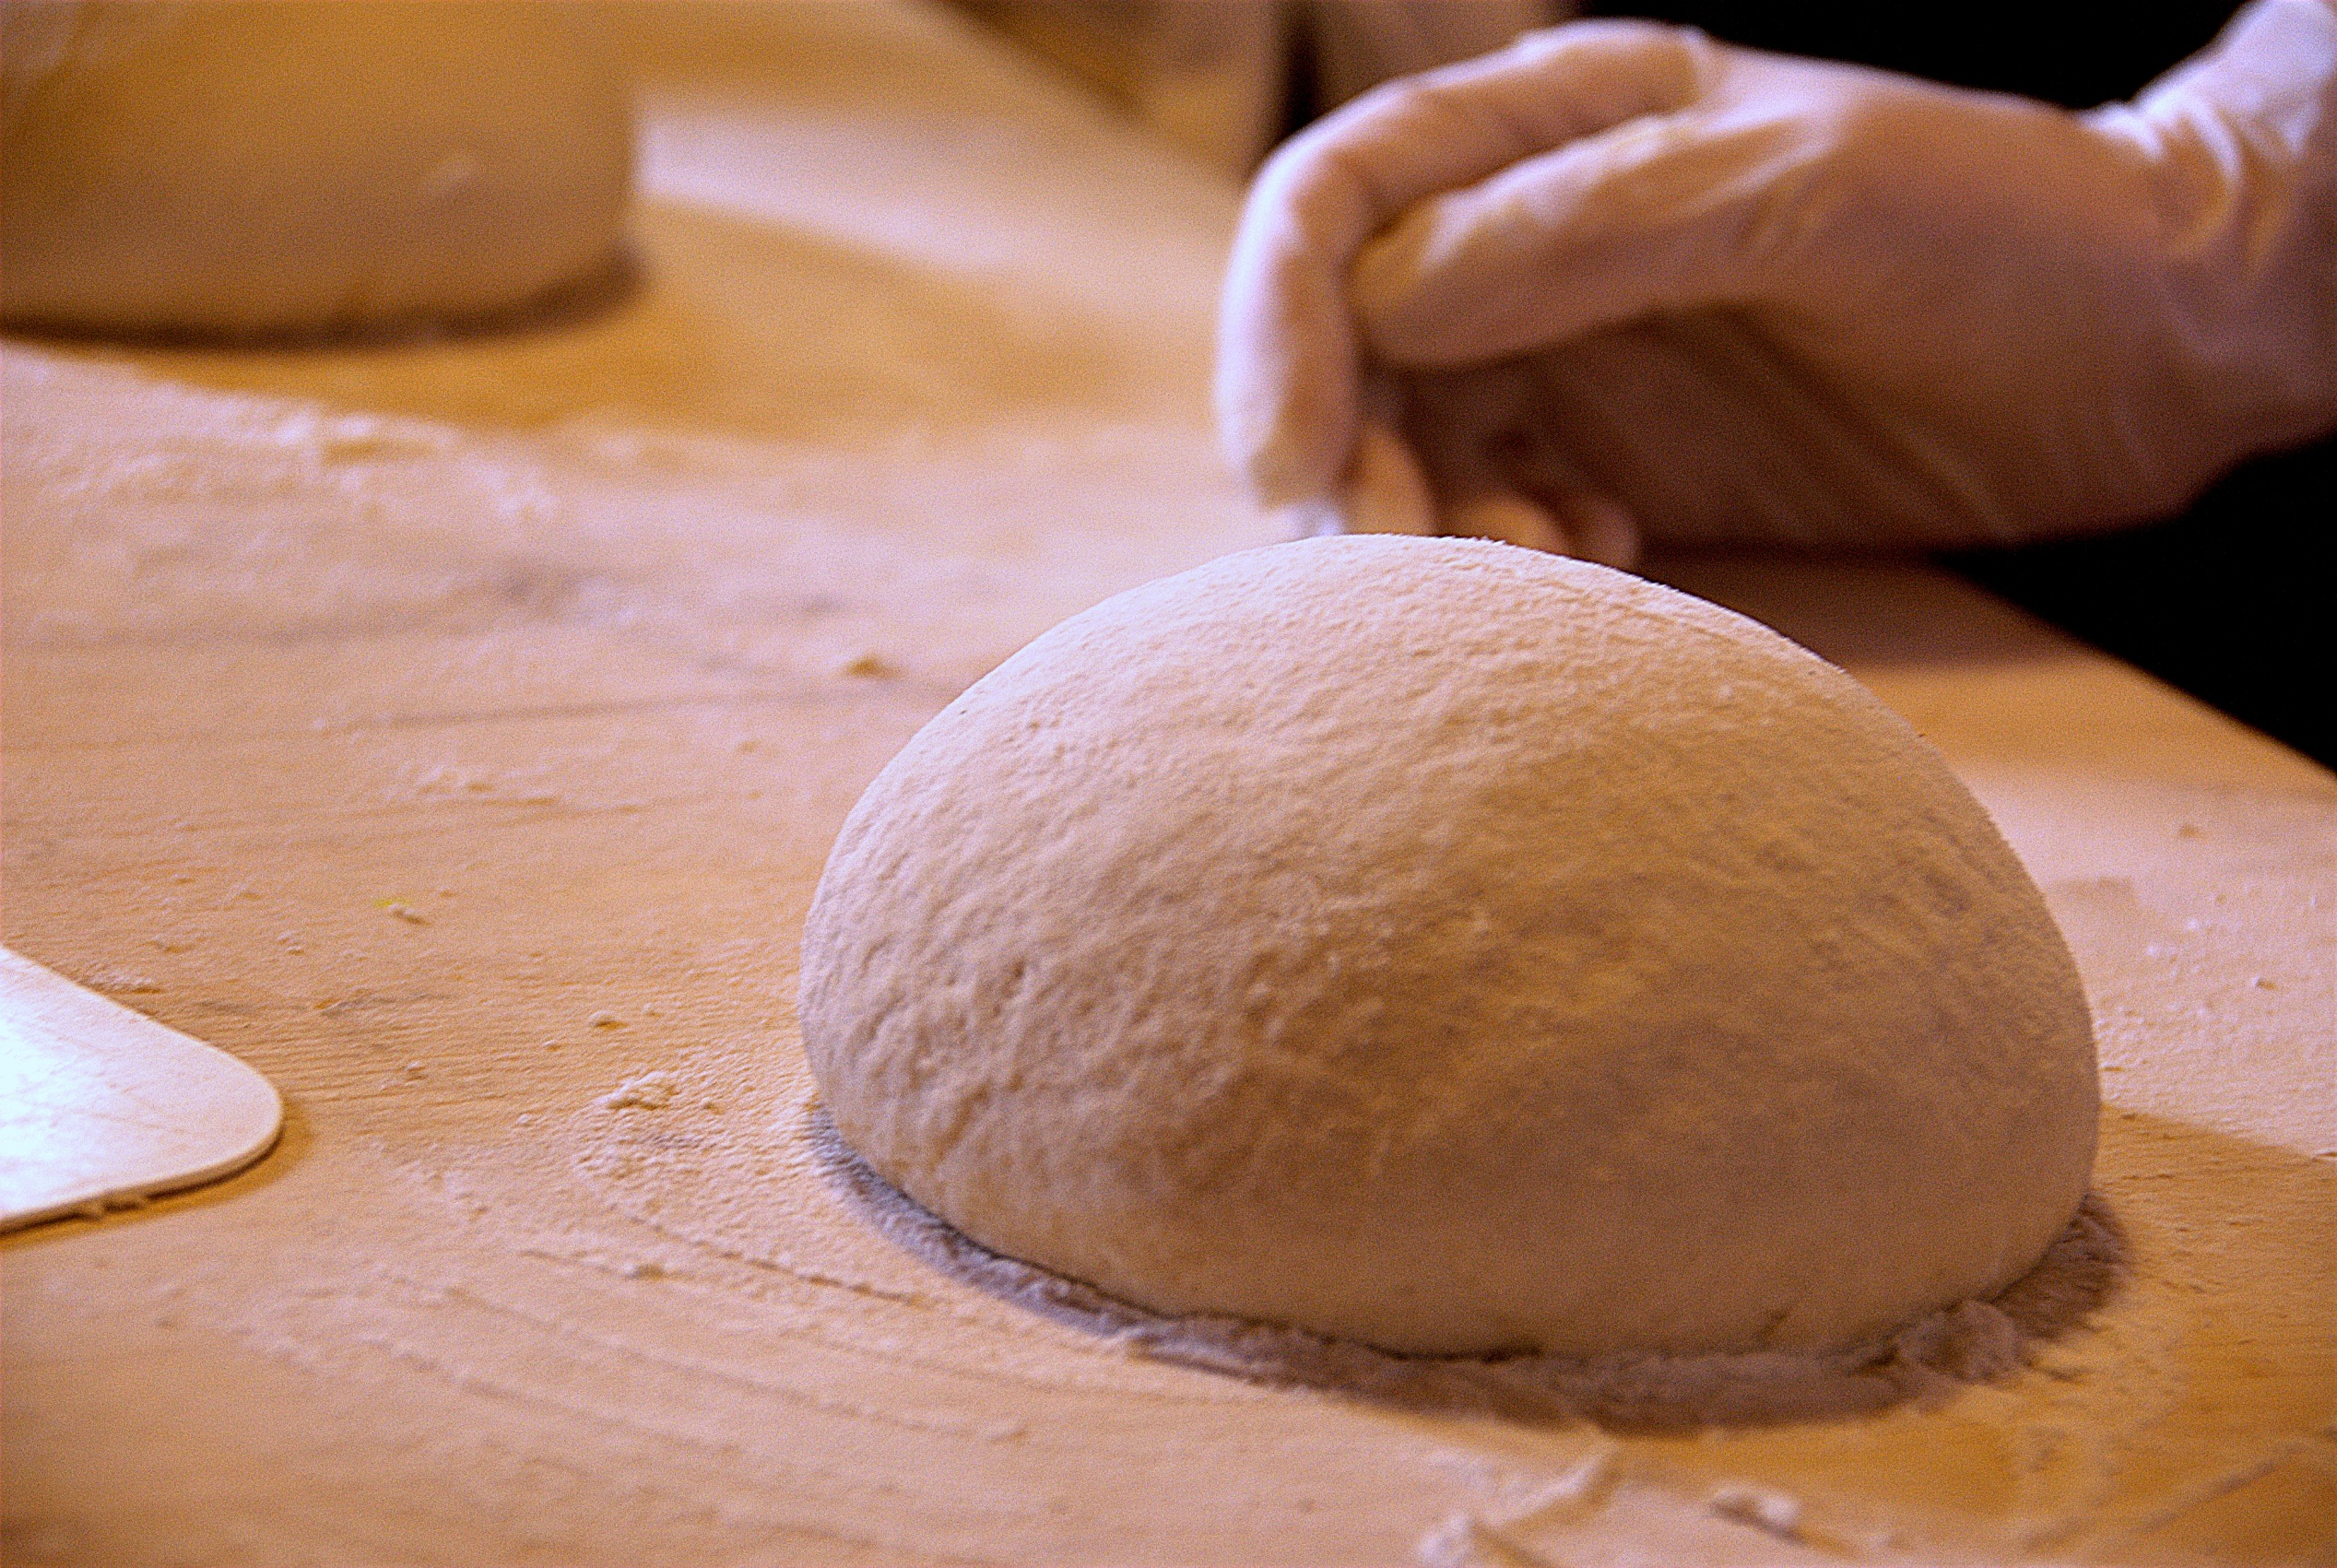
<point x="233" y="169"/>
<point x="1456" y="949"/>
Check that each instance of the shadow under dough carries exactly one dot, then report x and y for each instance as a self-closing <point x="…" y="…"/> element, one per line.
<point x="716" y="324"/>
<point x="1928" y="1361"/>
<point x="570" y="303"/>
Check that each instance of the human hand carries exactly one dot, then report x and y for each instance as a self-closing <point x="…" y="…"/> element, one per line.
<point x="1620" y="274"/>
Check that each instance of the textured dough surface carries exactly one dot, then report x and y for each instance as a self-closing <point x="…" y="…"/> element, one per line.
<point x="233" y="168"/>
<point x="1456" y="949"/>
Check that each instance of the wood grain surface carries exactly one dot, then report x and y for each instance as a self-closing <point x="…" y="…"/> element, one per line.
<point x="455" y="732"/>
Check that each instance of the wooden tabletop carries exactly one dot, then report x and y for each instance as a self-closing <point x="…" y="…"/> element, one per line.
<point x="455" y="732"/>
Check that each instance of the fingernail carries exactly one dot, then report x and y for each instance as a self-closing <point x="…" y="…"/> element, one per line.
<point x="1312" y="519"/>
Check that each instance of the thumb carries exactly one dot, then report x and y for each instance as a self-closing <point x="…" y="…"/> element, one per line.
<point x="1663" y="213"/>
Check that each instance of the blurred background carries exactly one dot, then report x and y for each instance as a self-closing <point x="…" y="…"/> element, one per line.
<point x="2232" y="600"/>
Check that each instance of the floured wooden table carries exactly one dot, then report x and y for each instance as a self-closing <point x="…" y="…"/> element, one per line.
<point x="455" y="732"/>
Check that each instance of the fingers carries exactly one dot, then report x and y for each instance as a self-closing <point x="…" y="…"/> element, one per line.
<point x="1575" y="522"/>
<point x="1390" y="489"/>
<point x="1287" y="353"/>
<point x="1357" y="169"/>
<point x="1664" y="214"/>
<point x="1511" y="518"/>
<point x="1492" y="478"/>
<point x="1386" y="491"/>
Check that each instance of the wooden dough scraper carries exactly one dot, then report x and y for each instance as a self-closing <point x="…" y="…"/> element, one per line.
<point x="101" y="1106"/>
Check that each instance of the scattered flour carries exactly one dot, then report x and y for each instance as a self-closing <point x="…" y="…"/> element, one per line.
<point x="650" y="1091"/>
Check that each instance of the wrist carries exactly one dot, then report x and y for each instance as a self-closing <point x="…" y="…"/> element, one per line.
<point x="2239" y="146"/>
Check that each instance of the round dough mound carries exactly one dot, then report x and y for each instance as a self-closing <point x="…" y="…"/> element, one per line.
<point x="237" y="169"/>
<point x="1456" y="949"/>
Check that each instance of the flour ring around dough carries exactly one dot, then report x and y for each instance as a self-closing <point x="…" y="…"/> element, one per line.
<point x="1459" y="951"/>
<point x="1972" y="1342"/>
